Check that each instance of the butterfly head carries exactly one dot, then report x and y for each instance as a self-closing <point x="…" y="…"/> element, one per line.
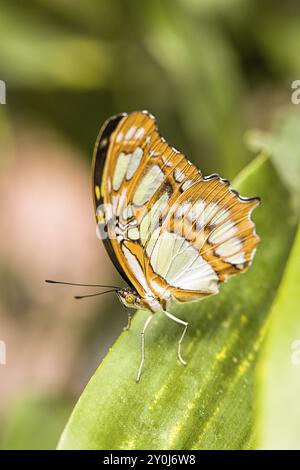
<point x="129" y="298"/>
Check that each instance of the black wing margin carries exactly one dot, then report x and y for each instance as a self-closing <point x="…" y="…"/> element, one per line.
<point x="99" y="159"/>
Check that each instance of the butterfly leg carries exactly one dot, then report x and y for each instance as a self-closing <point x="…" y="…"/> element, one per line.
<point x="143" y="347"/>
<point x="129" y="318"/>
<point x="178" y="320"/>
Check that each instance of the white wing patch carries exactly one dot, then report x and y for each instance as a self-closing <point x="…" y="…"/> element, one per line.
<point x="178" y="175"/>
<point x="119" y="137"/>
<point x="229" y="248"/>
<point x="209" y="211"/>
<point x="182" y="209"/>
<point x="187" y="184"/>
<point x="127" y="212"/>
<point x="223" y="232"/>
<point x="180" y="264"/>
<point x="220" y="217"/>
<point x="152" y="240"/>
<point x="135" y="267"/>
<point x="133" y="233"/>
<point x="134" y="162"/>
<point x="139" y="133"/>
<point x="148" y="185"/>
<point x="129" y="134"/>
<point x="151" y="218"/>
<point x="120" y="170"/>
<point x="127" y="164"/>
<point x="199" y="212"/>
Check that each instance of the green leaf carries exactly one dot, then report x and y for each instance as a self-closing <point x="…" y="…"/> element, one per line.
<point x="279" y="371"/>
<point x="208" y="403"/>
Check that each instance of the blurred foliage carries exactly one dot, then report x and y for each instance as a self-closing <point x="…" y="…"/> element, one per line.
<point x="208" y="70"/>
<point x="282" y="144"/>
<point x="34" y="422"/>
<point x="193" y="64"/>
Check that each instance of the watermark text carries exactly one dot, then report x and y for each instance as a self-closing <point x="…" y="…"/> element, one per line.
<point x="295" y="356"/>
<point x="2" y="92"/>
<point x="295" y="98"/>
<point x="2" y="353"/>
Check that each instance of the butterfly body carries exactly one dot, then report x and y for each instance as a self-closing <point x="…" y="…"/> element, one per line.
<point x="173" y="234"/>
<point x="131" y="299"/>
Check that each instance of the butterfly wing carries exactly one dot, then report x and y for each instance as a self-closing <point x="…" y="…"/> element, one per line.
<point x="169" y="230"/>
<point x="132" y="167"/>
<point x="99" y="159"/>
<point x="212" y="237"/>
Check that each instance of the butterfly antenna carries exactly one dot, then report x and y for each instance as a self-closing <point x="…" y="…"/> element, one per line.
<point x="52" y="281"/>
<point x="94" y="295"/>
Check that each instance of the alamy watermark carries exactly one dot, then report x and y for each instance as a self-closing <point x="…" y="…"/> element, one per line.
<point x="2" y="92"/>
<point x="126" y="226"/>
<point x="295" y="98"/>
<point x="295" y="356"/>
<point x="2" y="353"/>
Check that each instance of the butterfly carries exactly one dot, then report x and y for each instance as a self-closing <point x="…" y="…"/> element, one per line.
<point x="173" y="234"/>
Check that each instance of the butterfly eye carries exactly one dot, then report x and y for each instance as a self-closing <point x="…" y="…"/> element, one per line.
<point x="129" y="298"/>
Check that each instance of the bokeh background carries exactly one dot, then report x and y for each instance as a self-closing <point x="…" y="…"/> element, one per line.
<point x="211" y="71"/>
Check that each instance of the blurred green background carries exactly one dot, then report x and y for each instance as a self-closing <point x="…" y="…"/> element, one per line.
<point x="209" y="70"/>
